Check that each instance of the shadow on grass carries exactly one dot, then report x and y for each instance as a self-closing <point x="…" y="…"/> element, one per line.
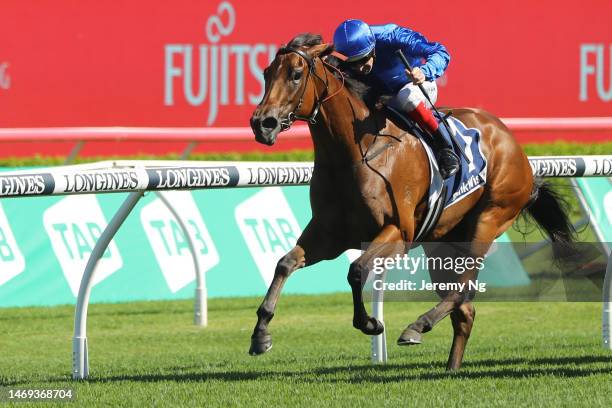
<point x="568" y="367"/>
<point x="367" y="373"/>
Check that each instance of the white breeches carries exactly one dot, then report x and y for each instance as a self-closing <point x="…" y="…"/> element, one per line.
<point x="410" y="96"/>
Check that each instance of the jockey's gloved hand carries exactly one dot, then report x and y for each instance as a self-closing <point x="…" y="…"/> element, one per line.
<point x="417" y="75"/>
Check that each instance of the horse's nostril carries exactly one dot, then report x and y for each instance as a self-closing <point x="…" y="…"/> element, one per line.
<point x="269" y="123"/>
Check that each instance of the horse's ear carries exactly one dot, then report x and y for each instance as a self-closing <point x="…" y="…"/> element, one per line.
<point x="321" y="50"/>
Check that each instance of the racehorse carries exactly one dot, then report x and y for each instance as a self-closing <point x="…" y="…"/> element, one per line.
<point x="380" y="199"/>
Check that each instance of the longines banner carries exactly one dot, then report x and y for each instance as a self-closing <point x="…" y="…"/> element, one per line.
<point x="200" y="63"/>
<point x="239" y="235"/>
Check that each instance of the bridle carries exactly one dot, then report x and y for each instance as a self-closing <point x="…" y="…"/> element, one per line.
<point x="286" y="123"/>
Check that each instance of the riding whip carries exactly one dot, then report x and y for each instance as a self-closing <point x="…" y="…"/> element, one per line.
<point x="401" y="55"/>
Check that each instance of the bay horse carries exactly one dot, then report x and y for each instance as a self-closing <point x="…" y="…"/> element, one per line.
<point x="382" y="200"/>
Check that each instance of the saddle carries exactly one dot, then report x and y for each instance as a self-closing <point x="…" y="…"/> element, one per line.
<point x="444" y="193"/>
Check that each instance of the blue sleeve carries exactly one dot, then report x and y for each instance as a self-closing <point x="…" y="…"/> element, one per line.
<point x="416" y="45"/>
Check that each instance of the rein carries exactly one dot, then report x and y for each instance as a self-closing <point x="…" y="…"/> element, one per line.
<point x="324" y="97"/>
<point x="367" y="155"/>
<point x="293" y="116"/>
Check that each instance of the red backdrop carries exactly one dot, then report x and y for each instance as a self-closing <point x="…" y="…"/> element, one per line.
<point x="127" y="63"/>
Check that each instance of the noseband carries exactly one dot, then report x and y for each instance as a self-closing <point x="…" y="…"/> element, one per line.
<point x="293" y="116"/>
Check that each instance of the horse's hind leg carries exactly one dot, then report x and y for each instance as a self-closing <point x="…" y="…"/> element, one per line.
<point x="463" y="320"/>
<point x="312" y="246"/>
<point x="412" y="334"/>
<point x="481" y="228"/>
<point x="451" y="300"/>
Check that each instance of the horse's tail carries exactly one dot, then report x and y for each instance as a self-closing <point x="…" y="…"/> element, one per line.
<point x="550" y="210"/>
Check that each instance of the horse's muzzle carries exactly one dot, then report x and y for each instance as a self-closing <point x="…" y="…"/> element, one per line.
<point x="265" y="129"/>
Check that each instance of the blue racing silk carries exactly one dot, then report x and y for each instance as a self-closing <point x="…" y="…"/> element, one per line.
<point x="389" y="72"/>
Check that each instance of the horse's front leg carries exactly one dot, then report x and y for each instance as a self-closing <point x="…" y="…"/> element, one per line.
<point x="261" y="340"/>
<point x="313" y="245"/>
<point x="387" y="243"/>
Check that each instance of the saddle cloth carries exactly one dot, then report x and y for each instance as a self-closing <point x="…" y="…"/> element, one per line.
<point x="471" y="175"/>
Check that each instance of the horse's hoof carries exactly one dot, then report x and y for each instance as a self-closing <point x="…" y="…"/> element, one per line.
<point x="409" y="337"/>
<point x="260" y="344"/>
<point x="373" y="327"/>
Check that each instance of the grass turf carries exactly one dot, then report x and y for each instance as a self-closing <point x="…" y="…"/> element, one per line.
<point x="141" y="354"/>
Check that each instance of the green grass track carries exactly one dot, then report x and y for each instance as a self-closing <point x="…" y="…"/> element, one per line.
<point x="149" y="353"/>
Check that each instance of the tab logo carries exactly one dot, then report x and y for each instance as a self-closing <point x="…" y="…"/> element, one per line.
<point x="12" y="262"/>
<point x="268" y="227"/>
<point x="168" y="240"/>
<point x="74" y="225"/>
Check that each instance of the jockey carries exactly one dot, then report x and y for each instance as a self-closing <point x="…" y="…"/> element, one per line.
<point x="370" y="51"/>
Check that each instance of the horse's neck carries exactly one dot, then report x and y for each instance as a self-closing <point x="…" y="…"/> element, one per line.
<point x="343" y="120"/>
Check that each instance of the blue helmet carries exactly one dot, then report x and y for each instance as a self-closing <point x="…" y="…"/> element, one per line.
<point x="354" y="39"/>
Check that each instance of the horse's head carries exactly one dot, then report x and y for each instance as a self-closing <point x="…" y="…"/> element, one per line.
<point x="290" y="88"/>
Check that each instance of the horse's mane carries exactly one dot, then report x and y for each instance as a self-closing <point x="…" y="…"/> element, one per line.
<point x="305" y="40"/>
<point x="354" y="84"/>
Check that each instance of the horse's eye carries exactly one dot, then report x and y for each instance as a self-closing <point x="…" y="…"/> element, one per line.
<point x="296" y="75"/>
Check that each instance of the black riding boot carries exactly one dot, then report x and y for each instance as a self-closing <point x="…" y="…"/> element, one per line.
<point x="448" y="161"/>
